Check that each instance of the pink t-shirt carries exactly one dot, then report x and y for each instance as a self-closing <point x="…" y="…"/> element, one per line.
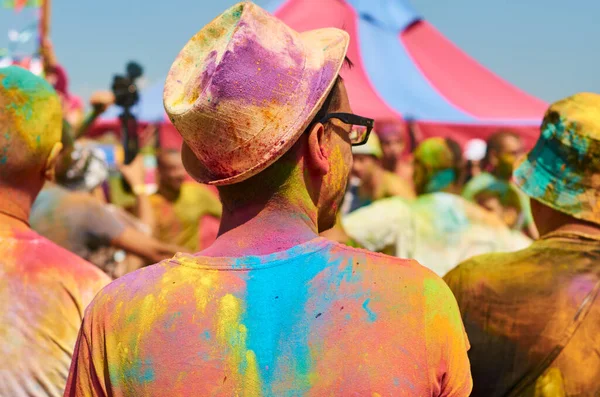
<point x="44" y="291"/>
<point x="319" y="319"/>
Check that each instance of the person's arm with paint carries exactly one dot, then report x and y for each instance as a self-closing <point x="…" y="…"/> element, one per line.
<point x="134" y="174"/>
<point x="105" y="225"/>
<point x="100" y="101"/>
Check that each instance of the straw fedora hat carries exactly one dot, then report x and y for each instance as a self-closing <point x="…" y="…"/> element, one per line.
<point x="562" y="171"/>
<point x="244" y="89"/>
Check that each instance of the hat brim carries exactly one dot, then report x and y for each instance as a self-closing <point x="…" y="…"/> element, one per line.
<point x="562" y="194"/>
<point x="327" y="47"/>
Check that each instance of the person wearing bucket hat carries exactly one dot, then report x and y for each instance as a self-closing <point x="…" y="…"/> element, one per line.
<point x="533" y="317"/>
<point x="43" y="288"/>
<point x="270" y="308"/>
<point x="371" y="182"/>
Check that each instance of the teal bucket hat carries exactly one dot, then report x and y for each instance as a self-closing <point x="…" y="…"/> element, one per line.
<point x="562" y="171"/>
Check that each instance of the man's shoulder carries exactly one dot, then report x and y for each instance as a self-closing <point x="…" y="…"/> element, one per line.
<point x="489" y="272"/>
<point x="49" y="257"/>
<point x="142" y="281"/>
<point x="67" y="198"/>
<point x="385" y="265"/>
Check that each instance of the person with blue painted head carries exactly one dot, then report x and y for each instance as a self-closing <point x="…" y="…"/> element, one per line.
<point x="271" y="308"/>
<point x="533" y="316"/>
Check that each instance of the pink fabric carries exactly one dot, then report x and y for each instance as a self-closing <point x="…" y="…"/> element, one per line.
<point x="463" y="81"/>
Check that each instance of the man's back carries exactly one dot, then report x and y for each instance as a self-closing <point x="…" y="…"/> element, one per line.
<point x="517" y="309"/>
<point x="44" y="291"/>
<point x="318" y="319"/>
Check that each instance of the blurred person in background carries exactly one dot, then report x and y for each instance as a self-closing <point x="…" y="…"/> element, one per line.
<point x="69" y="214"/>
<point x="370" y="181"/>
<point x="439" y="229"/>
<point x="533" y="316"/>
<point x="503" y="199"/>
<point x="397" y="145"/>
<point x="179" y="206"/>
<point x="474" y="154"/>
<point x="438" y="166"/>
<point x="44" y="289"/>
<point x="57" y="76"/>
<point x="504" y="149"/>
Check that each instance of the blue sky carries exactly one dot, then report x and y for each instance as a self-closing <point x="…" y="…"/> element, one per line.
<point x="546" y="47"/>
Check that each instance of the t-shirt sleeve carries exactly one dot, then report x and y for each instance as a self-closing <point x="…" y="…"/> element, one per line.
<point x="86" y="375"/>
<point x="447" y="342"/>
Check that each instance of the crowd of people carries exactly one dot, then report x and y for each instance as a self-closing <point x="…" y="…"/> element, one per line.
<point x="290" y="246"/>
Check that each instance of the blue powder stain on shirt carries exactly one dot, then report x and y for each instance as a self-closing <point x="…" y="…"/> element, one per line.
<point x="272" y="335"/>
<point x="141" y="372"/>
<point x="372" y="315"/>
<point x="171" y="321"/>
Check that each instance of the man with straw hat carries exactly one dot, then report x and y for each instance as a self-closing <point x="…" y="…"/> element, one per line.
<point x="270" y="308"/>
<point x="533" y="316"/>
<point x="44" y="289"/>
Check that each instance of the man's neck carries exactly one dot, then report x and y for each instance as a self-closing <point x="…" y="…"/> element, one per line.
<point x="264" y="229"/>
<point x="15" y="206"/>
<point x="576" y="227"/>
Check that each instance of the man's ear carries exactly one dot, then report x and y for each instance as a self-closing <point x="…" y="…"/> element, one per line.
<point x="318" y="155"/>
<point x="50" y="168"/>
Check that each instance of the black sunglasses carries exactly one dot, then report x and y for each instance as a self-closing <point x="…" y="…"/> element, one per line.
<point x="361" y="126"/>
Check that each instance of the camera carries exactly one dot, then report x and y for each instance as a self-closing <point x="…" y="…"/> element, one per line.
<point x="126" y="96"/>
<point x="124" y="87"/>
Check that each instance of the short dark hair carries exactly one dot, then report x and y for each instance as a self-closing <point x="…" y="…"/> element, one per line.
<point x="458" y="164"/>
<point x="457" y="156"/>
<point x="494" y="143"/>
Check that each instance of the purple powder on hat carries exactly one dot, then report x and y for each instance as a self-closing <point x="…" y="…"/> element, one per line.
<point x="211" y="66"/>
<point x="319" y="80"/>
<point x="254" y="75"/>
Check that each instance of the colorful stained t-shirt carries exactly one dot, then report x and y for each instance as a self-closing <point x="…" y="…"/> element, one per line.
<point x="320" y="319"/>
<point x="517" y="308"/>
<point x="439" y="230"/>
<point x="76" y="221"/>
<point x="44" y="291"/>
<point x="178" y="222"/>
